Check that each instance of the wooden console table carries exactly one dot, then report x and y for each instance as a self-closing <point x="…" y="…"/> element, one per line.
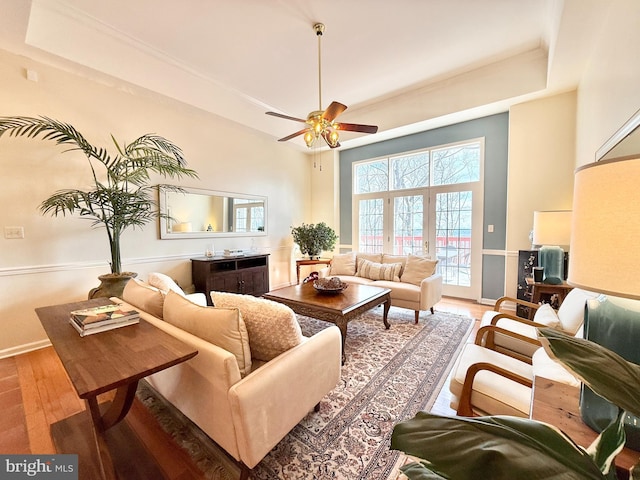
<point x="558" y="404"/>
<point x="307" y="261"/>
<point x="112" y="360"/>
<point x="246" y="274"/>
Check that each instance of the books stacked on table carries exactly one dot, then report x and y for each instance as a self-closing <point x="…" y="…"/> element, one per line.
<point x="99" y="319"/>
<point x="233" y="252"/>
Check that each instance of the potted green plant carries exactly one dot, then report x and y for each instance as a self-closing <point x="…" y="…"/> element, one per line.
<point x="120" y="195"/>
<point x="313" y="239"/>
<point x="515" y="447"/>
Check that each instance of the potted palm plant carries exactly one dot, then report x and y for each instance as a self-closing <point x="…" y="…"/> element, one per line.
<point x="120" y="195"/>
<point x="314" y="239"/>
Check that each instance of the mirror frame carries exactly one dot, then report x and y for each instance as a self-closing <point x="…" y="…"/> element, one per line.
<point x="618" y="137"/>
<point x="163" y="224"/>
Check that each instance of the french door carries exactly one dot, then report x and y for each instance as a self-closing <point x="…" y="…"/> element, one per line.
<point x="442" y="219"/>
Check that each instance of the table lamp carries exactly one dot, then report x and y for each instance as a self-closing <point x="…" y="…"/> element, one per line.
<point x="605" y="258"/>
<point x="551" y="231"/>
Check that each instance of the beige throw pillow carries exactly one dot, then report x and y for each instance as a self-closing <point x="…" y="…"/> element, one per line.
<point x="222" y="327"/>
<point x="401" y="259"/>
<point x="379" y="271"/>
<point x="273" y="327"/>
<point x="144" y="297"/>
<point x="164" y="283"/>
<point x="546" y="315"/>
<point x="418" y="268"/>
<point x="343" y="264"/>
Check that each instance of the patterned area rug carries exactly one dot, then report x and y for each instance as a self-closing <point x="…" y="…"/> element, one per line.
<point x="389" y="375"/>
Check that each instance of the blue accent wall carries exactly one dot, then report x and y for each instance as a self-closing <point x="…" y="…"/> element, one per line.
<point x="495" y="130"/>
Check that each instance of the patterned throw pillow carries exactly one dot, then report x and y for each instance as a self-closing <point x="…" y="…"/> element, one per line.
<point x="379" y="271"/>
<point x="418" y="268"/>
<point x="222" y="327"/>
<point x="144" y="297"/>
<point x="273" y="327"/>
<point x="343" y="264"/>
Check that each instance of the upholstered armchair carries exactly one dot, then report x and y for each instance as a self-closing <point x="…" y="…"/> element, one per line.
<point x="568" y="318"/>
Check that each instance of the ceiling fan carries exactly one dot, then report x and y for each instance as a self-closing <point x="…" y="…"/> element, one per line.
<point x="321" y="123"/>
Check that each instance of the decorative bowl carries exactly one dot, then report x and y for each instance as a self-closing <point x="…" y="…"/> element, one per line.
<point x="330" y="286"/>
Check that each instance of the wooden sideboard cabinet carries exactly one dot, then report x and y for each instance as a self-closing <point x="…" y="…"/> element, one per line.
<point x="248" y="274"/>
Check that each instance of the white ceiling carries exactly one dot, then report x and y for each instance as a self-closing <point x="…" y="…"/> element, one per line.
<point x="403" y="65"/>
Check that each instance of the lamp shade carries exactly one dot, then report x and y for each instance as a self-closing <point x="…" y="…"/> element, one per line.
<point x="552" y="227"/>
<point x="606" y="228"/>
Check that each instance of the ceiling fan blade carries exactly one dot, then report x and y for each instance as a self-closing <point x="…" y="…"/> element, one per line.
<point x="333" y="110"/>
<point x="293" y="135"/>
<point x="355" y="127"/>
<point x="280" y="115"/>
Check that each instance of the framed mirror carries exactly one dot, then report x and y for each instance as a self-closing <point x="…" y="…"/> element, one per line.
<point x="201" y="213"/>
<point x="624" y="143"/>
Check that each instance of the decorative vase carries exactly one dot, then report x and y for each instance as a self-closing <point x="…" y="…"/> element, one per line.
<point x="314" y="256"/>
<point x="111" y="285"/>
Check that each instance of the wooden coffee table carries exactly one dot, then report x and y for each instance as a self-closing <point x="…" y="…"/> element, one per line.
<point x="339" y="308"/>
<point x="111" y="360"/>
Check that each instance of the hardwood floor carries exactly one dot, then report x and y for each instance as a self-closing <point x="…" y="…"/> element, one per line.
<point x="35" y="392"/>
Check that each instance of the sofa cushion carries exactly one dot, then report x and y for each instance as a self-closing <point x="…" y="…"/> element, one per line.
<point x="401" y="259"/>
<point x="546" y="315"/>
<point x="223" y="327"/>
<point x="418" y="268"/>
<point x="164" y="283"/>
<point x="378" y="271"/>
<point x="372" y="257"/>
<point x="273" y="327"/>
<point x="144" y="297"/>
<point x="343" y="264"/>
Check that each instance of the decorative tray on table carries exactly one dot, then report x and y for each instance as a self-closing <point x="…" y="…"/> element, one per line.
<point x="329" y="286"/>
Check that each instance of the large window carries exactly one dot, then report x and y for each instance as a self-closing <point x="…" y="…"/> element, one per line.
<point x="423" y="203"/>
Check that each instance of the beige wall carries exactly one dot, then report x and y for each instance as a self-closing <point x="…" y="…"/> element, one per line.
<point x="609" y="92"/>
<point x="60" y="258"/>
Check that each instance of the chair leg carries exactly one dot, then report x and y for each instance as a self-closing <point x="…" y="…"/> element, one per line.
<point x="432" y="311"/>
<point x="417" y="316"/>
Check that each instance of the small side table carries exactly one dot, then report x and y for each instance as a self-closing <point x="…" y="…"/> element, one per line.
<point x="540" y="290"/>
<point x="306" y="261"/>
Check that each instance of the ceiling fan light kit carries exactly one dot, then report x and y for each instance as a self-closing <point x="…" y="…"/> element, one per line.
<point x="321" y="122"/>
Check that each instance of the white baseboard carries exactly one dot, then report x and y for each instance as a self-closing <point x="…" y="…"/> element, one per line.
<point x="20" y="349"/>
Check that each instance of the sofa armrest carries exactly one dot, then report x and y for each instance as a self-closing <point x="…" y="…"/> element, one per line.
<point x="269" y="402"/>
<point x="430" y="291"/>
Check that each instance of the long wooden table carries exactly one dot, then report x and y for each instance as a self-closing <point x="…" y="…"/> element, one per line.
<point x="339" y="308"/>
<point x="99" y="363"/>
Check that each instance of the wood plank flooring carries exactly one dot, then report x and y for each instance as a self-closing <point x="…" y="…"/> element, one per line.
<point x="35" y="392"/>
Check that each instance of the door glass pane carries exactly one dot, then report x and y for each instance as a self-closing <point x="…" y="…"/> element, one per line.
<point x="453" y="237"/>
<point x="459" y="164"/>
<point x="371" y="226"/>
<point x="408" y="221"/>
<point x="371" y="177"/>
<point x="411" y="171"/>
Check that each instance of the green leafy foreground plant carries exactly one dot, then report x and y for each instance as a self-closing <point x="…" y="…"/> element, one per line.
<point x="121" y="195"/>
<point x="499" y="447"/>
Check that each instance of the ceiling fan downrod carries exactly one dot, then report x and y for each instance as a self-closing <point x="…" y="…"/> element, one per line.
<point x="319" y="28"/>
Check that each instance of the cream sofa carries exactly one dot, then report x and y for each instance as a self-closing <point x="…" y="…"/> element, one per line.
<point x="412" y="279"/>
<point x="258" y="380"/>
